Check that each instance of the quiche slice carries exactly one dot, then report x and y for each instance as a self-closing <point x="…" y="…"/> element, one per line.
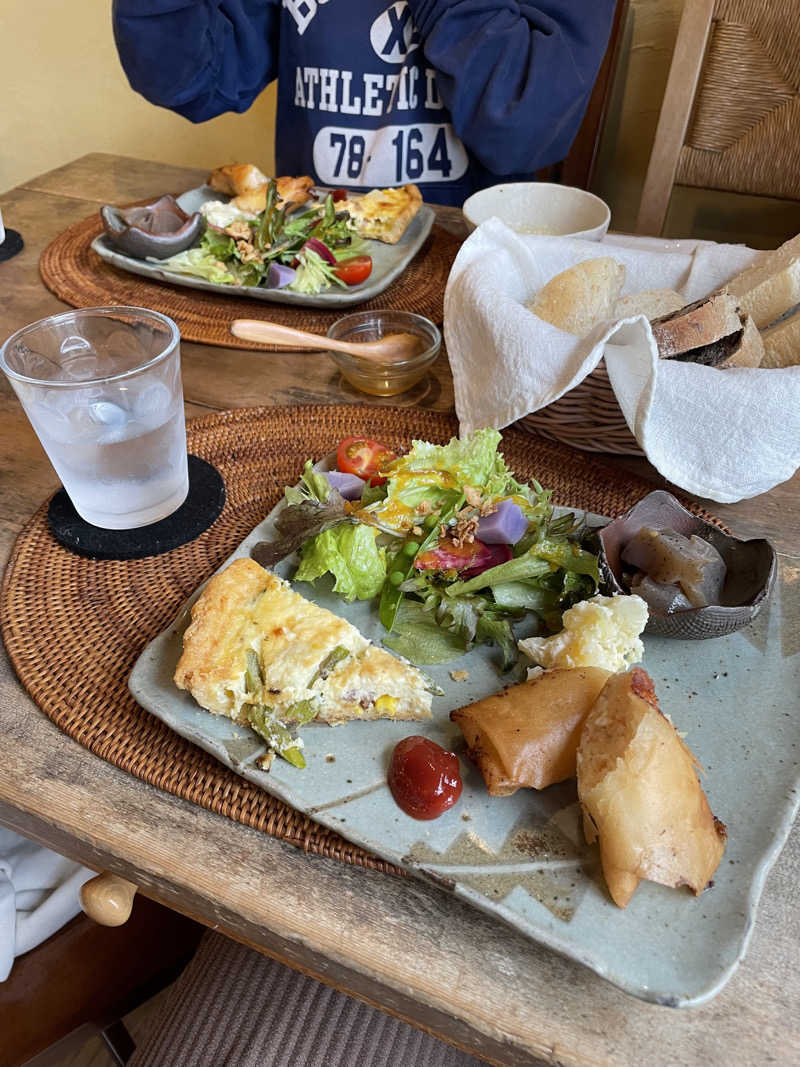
<point x="254" y="643"/>
<point x="383" y="214"/>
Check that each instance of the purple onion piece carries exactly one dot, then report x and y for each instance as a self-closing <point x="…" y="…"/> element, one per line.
<point x="279" y="275"/>
<point x="321" y="249"/>
<point x="504" y="526"/>
<point x="349" y="485"/>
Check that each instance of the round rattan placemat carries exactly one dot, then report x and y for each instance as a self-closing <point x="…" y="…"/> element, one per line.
<point x="78" y="276"/>
<point x="74" y="627"/>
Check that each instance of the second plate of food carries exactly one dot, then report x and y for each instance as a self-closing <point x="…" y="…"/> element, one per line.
<point x="388" y="262"/>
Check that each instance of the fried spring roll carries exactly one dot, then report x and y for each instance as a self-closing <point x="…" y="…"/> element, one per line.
<point x="638" y="787"/>
<point x="528" y="734"/>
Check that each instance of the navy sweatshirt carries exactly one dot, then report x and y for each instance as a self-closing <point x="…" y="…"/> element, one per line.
<point x="451" y="94"/>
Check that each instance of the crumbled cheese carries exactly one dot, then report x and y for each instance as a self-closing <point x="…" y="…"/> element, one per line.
<point x="459" y="676"/>
<point x="599" y="632"/>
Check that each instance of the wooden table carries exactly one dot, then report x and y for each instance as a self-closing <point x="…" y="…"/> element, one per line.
<point x="396" y="943"/>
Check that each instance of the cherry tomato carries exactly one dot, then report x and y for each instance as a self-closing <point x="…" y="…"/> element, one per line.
<point x="354" y="271"/>
<point x="364" y="458"/>
<point x="424" y="778"/>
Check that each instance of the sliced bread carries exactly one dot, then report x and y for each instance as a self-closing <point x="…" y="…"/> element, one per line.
<point x="696" y="325"/>
<point x="650" y="302"/>
<point x="743" y="348"/>
<point x="782" y="343"/>
<point x="581" y="296"/>
<point x="771" y="287"/>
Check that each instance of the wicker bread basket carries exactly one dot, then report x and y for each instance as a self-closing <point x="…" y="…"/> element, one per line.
<point x="587" y="417"/>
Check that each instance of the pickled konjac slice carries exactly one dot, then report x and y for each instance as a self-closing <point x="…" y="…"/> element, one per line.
<point x="669" y="558"/>
<point x="527" y="736"/>
<point x="660" y="598"/>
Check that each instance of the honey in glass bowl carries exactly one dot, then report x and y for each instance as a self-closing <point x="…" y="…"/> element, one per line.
<point x="379" y="378"/>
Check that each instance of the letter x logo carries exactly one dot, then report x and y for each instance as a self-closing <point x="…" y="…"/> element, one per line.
<point x="393" y="34"/>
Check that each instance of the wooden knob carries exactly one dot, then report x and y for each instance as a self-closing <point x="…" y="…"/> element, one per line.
<point x="108" y="899"/>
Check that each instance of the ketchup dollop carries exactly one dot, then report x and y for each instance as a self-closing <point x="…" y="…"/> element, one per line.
<point x="424" y="778"/>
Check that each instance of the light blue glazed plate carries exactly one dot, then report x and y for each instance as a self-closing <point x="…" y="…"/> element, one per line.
<point x="388" y="261"/>
<point x="523" y="858"/>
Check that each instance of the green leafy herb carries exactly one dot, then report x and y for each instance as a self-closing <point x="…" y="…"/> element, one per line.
<point x="417" y="636"/>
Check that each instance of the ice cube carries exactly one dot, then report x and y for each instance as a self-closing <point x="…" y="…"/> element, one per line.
<point x="108" y="413"/>
<point x="153" y="402"/>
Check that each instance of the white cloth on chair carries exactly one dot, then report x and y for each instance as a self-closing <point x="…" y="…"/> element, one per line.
<point x="38" y="895"/>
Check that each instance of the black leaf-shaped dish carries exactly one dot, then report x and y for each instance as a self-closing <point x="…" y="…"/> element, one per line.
<point x="158" y="230"/>
<point x="751" y="568"/>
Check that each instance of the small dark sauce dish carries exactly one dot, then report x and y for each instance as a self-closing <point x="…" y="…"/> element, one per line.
<point x="158" y="230"/>
<point x="751" y="568"/>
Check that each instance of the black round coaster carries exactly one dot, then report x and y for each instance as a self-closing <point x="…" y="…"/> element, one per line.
<point x="199" y="510"/>
<point x="12" y="244"/>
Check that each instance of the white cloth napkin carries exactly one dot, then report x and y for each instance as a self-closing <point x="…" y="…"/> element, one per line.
<point x="38" y="895"/>
<point x="727" y="435"/>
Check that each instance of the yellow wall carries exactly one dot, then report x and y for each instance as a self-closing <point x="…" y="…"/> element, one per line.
<point x="64" y="93"/>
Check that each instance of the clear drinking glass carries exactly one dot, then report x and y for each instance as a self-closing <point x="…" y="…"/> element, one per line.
<point x="102" y="388"/>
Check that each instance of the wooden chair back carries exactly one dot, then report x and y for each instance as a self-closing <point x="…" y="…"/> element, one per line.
<point x="730" y="118"/>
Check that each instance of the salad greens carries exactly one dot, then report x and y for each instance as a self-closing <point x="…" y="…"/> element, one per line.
<point x="413" y="543"/>
<point x="309" y="244"/>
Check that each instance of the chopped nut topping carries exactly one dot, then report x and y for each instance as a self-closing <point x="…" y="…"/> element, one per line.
<point x="464" y="530"/>
<point x="424" y="507"/>
<point x="248" y="253"/>
<point x="472" y="496"/>
<point x="239" y="229"/>
<point x="417" y="531"/>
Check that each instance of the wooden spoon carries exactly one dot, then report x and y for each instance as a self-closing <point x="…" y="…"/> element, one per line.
<point x="393" y="348"/>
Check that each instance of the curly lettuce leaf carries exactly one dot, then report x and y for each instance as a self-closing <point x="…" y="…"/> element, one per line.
<point x="472" y="461"/>
<point x="201" y="264"/>
<point x="351" y="555"/>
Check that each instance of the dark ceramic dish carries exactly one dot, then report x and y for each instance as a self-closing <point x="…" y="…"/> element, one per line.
<point x="157" y="230"/>
<point x="751" y="568"/>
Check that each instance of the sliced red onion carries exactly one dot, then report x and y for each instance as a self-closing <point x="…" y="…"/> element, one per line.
<point x="321" y="249"/>
<point x="492" y="555"/>
<point x="349" y="485"/>
<point x="279" y="275"/>
<point x="504" y="526"/>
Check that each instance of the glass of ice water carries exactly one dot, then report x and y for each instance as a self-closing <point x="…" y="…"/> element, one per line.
<point x="102" y="388"/>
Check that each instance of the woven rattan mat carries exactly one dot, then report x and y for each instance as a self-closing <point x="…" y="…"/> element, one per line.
<point x="74" y="627"/>
<point x="78" y="276"/>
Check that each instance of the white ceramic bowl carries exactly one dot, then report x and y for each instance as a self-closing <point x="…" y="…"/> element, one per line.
<point x="540" y="207"/>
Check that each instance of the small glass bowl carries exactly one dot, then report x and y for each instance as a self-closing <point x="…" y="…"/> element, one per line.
<point x="384" y="379"/>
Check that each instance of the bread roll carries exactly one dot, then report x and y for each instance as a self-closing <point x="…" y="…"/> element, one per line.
<point x="696" y="325"/>
<point x="782" y="343"/>
<point x="771" y="287"/>
<point x="581" y="296"/>
<point x="641" y="798"/>
<point x="650" y="302"/>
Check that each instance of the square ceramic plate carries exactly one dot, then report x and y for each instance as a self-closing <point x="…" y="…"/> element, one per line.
<point x="388" y="261"/>
<point x="523" y="858"/>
